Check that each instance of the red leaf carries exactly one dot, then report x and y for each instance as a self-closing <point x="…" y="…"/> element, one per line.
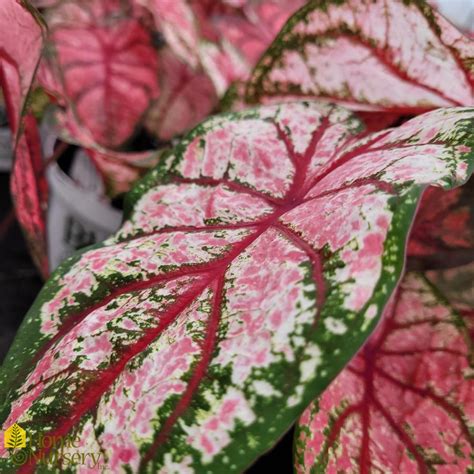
<point x="405" y="403"/>
<point x="107" y="65"/>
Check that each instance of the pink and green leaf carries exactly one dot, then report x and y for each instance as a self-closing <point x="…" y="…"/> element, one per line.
<point x="253" y="264"/>
<point x="405" y="403"/>
<point x="383" y="55"/>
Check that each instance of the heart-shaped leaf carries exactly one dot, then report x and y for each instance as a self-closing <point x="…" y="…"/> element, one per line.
<point x="391" y="55"/>
<point x="107" y="65"/>
<point x="405" y="402"/>
<point x="255" y="262"/>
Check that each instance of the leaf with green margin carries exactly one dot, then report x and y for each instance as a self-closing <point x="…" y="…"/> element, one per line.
<point x="405" y="402"/>
<point x="254" y="262"/>
<point x="383" y="55"/>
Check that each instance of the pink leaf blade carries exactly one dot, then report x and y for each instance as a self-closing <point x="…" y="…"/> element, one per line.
<point x="30" y="192"/>
<point x="342" y="52"/>
<point x="227" y="296"/>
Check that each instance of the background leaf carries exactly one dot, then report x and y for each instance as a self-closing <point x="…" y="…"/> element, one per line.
<point x="106" y="64"/>
<point x="387" y="55"/>
<point x="18" y="62"/>
<point x="405" y="402"/>
<point x="443" y="232"/>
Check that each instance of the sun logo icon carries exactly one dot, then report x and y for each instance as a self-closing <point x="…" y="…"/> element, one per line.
<point x="14" y="437"/>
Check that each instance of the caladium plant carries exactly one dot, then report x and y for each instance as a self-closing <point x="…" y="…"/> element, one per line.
<point x="254" y="262"/>
<point x="177" y="58"/>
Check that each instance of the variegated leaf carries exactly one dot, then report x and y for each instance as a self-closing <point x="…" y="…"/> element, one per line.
<point x="254" y="262"/>
<point x="390" y="55"/>
<point x="406" y="401"/>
